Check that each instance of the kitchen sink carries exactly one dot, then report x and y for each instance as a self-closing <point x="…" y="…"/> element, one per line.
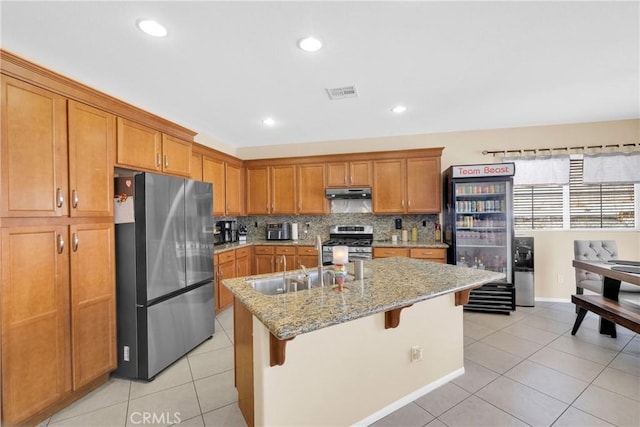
<point x="276" y="285"/>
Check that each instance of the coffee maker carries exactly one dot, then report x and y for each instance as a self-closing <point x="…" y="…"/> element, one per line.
<point x="226" y="232"/>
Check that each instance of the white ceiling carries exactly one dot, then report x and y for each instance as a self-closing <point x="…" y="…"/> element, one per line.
<point x="456" y="65"/>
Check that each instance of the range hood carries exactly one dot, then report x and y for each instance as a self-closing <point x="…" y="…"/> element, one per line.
<point x="361" y="193"/>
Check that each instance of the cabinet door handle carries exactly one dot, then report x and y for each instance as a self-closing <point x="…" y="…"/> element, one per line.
<point x="166" y="161"/>
<point x="409" y="203"/>
<point x="74" y="198"/>
<point x="403" y="203"/>
<point x="60" y="243"/>
<point x="158" y="164"/>
<point x="219" y="275"/>
<point x="351" y="179"/>
<point x="59" y="198"/>
<point x="75" y="241"/>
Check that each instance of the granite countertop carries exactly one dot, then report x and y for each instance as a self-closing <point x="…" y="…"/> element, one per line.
<point x="391" y="283"/>
<point x="377" y="243"/>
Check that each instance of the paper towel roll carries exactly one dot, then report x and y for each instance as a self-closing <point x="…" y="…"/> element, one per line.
<point x="294" y="231"/>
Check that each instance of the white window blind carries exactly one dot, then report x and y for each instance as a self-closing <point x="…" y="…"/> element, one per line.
<point x="599" y="205"/>
<point x="587" y="206"/>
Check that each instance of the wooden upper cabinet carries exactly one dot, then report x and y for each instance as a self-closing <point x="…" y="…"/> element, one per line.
<point x="356" y="173"/>
<point x="196" y="166"/>
<point x="423" y="185"/>
<point x="213" y="172"/>
<point x="311" y="186"/>
<point x="283" y="190"/>
<point x="33" y="152"/>
<point x="258" y="191"/>
<point x="36" y="348"/>
<point x="93" y="323"/>
<point x="92" y="141"/>
<point x="138" y="146"/>
<point x="234" y="193"/>
<point x="409" y="185"/>
<point x="176" y="156"/>
<point x="388" y="193"/>
<point x="142" y="147"/>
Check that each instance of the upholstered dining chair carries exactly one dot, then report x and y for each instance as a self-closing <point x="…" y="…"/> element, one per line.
<point x="600" y="250"/>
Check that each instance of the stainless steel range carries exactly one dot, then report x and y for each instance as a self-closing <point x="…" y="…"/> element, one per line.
<point x="357" y="237"/>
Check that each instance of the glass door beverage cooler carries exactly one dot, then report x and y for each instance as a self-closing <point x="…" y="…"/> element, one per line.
<point x="478" y="227"/>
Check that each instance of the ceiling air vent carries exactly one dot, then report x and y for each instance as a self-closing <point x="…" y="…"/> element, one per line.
<point x="343" y="92"/>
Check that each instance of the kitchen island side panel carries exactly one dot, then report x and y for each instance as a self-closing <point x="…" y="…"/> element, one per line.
<point x="358" y="371"/>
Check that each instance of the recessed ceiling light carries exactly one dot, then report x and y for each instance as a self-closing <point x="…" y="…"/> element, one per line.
<point x="399" y="109"/>
<point x="268" y="122"/>
<point x="309" y="44"/>
<point x="151" y="27"/>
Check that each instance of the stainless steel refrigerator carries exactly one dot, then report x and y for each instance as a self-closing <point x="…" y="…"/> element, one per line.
<point x="164" y="271"/>
<point x="478" y="227"/>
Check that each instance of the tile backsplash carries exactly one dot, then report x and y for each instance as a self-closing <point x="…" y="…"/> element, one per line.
<point x="383" y="225"/>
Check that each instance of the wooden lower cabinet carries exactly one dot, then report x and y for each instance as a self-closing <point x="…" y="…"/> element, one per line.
<point x="36" y="335"/>
<point x="93" y="338"/>
<point x="430" y="254"/>
<point x="225" y="266"/>
<point x="289" y="254"/>
<point x="58" y="314"/>
<point x="263" y="259"/>
<point x="243" y="262"/>
<point x="307" y="256"/>
<point x="389" y="252"/>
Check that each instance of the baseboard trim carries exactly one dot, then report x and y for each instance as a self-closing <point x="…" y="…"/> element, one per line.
<point x="409" y="398"/>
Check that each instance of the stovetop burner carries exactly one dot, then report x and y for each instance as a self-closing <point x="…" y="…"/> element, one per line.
<point x="350" y="235"/>
<point x="348" y="242"/>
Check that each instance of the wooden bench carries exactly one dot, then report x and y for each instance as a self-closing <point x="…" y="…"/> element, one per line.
<point x="619" y="312"/>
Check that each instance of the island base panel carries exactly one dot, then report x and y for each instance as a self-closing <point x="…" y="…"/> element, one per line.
<point x="343" y="374"/>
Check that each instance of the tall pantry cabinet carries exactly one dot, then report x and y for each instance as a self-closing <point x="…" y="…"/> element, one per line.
<point x="56" y="248"/>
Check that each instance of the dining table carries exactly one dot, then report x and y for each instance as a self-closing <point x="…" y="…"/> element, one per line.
<point x="613" y="272"/>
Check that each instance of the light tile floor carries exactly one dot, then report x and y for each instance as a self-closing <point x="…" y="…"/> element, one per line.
<point x="524" y="369"/>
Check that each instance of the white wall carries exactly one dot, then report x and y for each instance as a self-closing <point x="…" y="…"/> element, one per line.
<point x="553" y="249"/>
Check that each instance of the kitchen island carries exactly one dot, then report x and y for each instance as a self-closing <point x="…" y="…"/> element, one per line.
<point x="321" y="357"/>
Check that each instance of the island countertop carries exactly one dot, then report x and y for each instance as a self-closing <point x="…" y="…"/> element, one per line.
<point x="391" y="283"/>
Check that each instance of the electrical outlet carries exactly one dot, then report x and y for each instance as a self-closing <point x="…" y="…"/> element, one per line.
<point x="560" y="279"/>
<point x="416" y="353"/>
<point x="125" y="355"/>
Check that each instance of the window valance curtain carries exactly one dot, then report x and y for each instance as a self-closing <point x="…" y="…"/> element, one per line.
<point x="614" y="168"/>
<point x="540" y="170"/>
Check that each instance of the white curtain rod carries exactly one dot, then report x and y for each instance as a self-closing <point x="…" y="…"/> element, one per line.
<point x="620" y="147"/>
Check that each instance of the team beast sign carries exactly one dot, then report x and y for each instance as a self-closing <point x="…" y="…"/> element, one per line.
<point x="475" y="171"/>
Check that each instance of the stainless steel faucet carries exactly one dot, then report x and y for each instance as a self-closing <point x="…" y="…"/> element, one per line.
<point x="284" y="273"/>
<point x="319" y="248"/>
